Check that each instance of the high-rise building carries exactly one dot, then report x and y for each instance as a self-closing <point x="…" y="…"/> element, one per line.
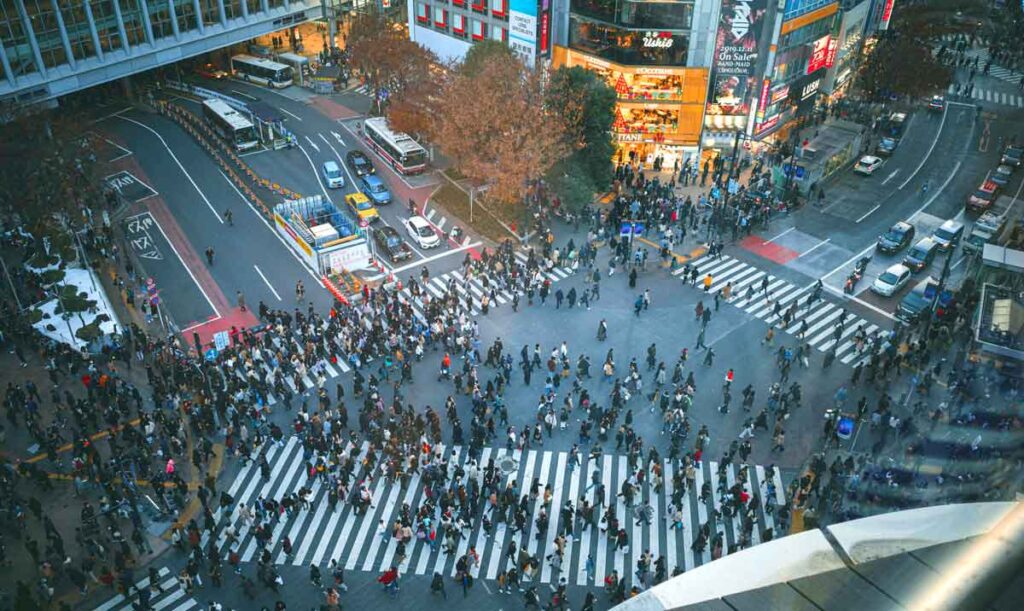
<point x="54" y="47"/>
<point x="450" y="27"/>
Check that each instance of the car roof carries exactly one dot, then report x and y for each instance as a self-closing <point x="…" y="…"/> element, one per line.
<point x="330" y="164"/>
<point x="898" y="116"/>
<point x="926" y="243"/>
<point x="372" y="178"/>
<point x="418" y="221"/>
<point x="870" y="158"/>
<point x="897" y="268"/>
<point x="902" y="226"/>
<point x="388" y="230"/>
<point x="989" y="185"/>
<point x="951" y="225"/>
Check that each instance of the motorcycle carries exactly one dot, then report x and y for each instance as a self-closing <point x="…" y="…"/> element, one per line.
<point x="858" y="272"/>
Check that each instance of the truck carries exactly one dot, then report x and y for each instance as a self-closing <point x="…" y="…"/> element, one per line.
<point x="989" y="225"/>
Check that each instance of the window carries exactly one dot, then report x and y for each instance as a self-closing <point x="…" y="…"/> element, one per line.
<point x="422" y="13"/>
<point x="459" y="2"/>
<point x="440" y="17"/>
<point x="499" y="8"/>
<point x="459" y="24"/>
<point x="625" y="46"/>
<point x="479" y="29"/>
<point x="499" y="34"/>
<point x="480" y="6"/>
<point x="15" y="39"/>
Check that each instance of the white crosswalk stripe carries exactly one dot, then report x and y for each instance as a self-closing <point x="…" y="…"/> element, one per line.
<point x="170" y="597"/>
<point x="358" y="545"/>
<point x="822" y="317"/>
<point x="340" y="363"/>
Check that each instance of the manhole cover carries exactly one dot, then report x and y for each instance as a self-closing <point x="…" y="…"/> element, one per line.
<point x="508" y="465"/>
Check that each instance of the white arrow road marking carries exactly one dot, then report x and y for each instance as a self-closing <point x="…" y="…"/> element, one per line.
<point x="337" y="137"/>
<point x="311" y="143"/>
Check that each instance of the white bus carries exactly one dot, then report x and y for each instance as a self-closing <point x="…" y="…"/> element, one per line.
<point x="299" y="64"/>
<point x="232" y="125"/>
<point x="261" y="71"/>
<point x="404" y="154"/>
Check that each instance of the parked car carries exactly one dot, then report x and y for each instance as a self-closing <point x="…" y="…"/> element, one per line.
<point x="891" y="280"/>
<point x="421" y="232"/>
<point x="362" y="209"/>
<point x="359" y="163"/>
<point x="921" y="255"/>
<point x="391" y="244"/>
<point x="896" y="239"/>
<point x="867" y="165"/>
<point x="333" y="175"/>
<point x="1013" y="155"/>
<point x="376" y="189"/>
<point x="949" y="234"/>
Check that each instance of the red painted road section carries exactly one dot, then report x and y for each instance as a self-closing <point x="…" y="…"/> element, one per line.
<point x="332" y="109"/>
<point x="769" y="250"/>
<point x="233" y="320"/>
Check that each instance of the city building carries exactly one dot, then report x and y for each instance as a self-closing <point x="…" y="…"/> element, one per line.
<point x="450" y="27"/>
<point x="848" y="45"/>
<point x="656" y="56"/>
<point x="804" y="46"/>
<point x="54" y="47"/>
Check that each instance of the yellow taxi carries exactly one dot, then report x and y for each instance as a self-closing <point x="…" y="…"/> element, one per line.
<point x="361" y="207"/>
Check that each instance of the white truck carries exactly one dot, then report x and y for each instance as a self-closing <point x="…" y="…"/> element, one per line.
<point x="990" y="225"/>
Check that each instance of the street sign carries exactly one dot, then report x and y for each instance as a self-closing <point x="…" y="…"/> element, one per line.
<point x="734" y="186"/>
<point x="211" y="355"/>
<point x="631" y="228"/>
<point x="221" y="340"/>
<point x="844" y="428"/>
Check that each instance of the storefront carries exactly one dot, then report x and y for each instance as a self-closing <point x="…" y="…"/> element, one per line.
<point x="659" y="109"/>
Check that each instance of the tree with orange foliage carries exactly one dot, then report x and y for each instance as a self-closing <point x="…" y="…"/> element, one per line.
<point x="492" y="122"/>
<point x="392" y="64"/>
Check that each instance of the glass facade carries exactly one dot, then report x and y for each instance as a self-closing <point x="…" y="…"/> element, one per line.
<point x="650" y="14"/>
<point x="625" y="46"/>
<point x="39" y="35"/>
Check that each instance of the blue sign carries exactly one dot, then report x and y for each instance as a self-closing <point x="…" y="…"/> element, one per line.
<point x="211" y="354"/>
<point x="844" y="428"/>
<point x="628" y="228"/>
<point x="734" y="186"/>
<point x="801" y="171"/>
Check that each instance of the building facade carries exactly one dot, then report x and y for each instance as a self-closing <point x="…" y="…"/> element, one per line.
<point x="450" y="27"/>
<point x="50" y="48"/>
<point x="655" y="55"/>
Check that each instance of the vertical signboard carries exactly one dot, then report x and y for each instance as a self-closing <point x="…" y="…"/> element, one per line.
<point x="732" y="68"/>
<point x="819" y="54"/>
<point x="544" y="30"/>
<point x="522" y="29"/>
<point x="883" y="22"/>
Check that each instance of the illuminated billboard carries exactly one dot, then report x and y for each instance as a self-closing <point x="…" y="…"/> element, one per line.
<point x="734" y="63"/>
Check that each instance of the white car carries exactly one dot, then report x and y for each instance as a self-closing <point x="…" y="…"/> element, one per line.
<point x="891" y="280"/>
<point x="867" y="165"/>
<point x="332" y="175"/>
<point x="421" y="232"/>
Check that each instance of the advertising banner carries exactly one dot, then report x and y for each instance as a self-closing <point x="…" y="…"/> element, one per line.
<point x="819" y="54"/>
<point x="883" y="22"/>
<point x="833" y="49"/>
<point x="545" y="28"/>
<point x="734" y="63"/>
<point x="522" y="29"/>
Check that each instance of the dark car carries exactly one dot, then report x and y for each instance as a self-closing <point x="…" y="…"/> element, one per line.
<point x="897" y="238"/>
<point x="921" y="255"/>
<point x="359" y="163"/>
<point x="1013" y="155"/>
<point x="1001" y="175"/>
<point x="919" y="301"/>
<point x="391" y="244"/>
<point x="886" y="146"/>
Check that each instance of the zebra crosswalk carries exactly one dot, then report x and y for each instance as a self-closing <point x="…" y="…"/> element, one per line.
<point x="821" y="317"/>
<point x="996" y="97"/>
<point x="169" y="597"/>
<point x="436" y="287"/>
<point x="320" y="533"/>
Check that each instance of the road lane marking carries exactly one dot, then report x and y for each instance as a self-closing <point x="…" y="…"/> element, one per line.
<point x="815" y="247"/>
<point x="869" y="212"/>
<point x="890" y="176"/>
<point x="187" y="268"/>
<point x="778" y="236"/>
<point x="263" y="219"/>
<point x="245" y="95"/>
<point x="269" y="286"/>
<point x="291" y="114"/>
<point x="312" y="144"/>
<point x="181" y="167"/>
<point x="930" y="149"/>
<point x="337" y="137"/>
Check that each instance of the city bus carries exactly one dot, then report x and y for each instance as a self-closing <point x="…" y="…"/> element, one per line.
<point x="404" y="154"/>
<point x="230" y="124"/>
<point x="298" y="63"/>
<point x="261" y="71"/>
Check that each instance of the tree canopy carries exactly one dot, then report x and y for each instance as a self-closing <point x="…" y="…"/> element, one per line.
<point x="586" y="104"/>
